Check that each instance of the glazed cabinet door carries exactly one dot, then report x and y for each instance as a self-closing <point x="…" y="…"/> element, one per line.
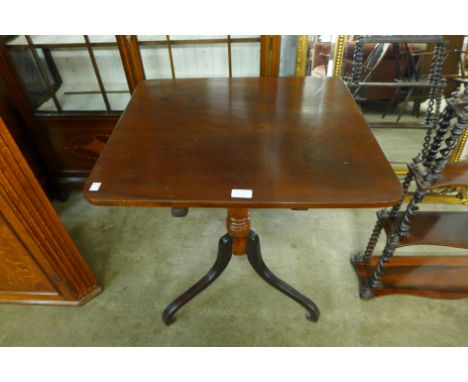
<point x="71" y="90"/>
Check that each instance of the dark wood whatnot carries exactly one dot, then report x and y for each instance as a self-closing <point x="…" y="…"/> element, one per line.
<point x="425" y="276"/>
<point x="294" y="142"/>
<point x="429" y="276"/>
<point x="454" y="174"/>
<point x="448" y="228"/>
<point x="39" y="263"/>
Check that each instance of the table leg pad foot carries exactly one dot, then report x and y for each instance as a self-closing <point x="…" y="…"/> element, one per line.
<point x="255" y="258"/>
<point x="179" y="212"/>
<point x="222" y="260"/>
<point x="313" y="318"/>
<point x="365" y="293"/>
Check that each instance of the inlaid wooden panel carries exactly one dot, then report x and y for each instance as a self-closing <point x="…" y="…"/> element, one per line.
<point x="39" y="261"/>
<point x="19" y="272"/>
<point x="78" y="141"/>
<point x="69" y="129"/>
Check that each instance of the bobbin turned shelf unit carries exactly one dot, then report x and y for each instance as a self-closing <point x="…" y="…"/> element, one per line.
<point x="429" y="276"/>
<point x="359" y="79"/>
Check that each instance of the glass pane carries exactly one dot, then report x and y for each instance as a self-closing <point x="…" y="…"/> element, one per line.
<point x="56" y="39"/>
<point x="206" y="60"/>
<point x="113" y="77"/>
<point x="288" y="55"/>
<point x="198" y="59"/>
<point x="156" y="61"/>
<point x="79" y="89"/>
<point x="246" y="36"/>
<point x="151" y="37"/>
<point x="118" y="100"/>
<point x="197" y="37"/>
<point x="31" y="78"/>
<point x="102" y="38"/>
<point x="16" y="40"/>
<point x="245" y="59"/>
<point x="70" y="72"/>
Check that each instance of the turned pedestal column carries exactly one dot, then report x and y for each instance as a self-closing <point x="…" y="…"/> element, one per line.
<point x="238" y="227"/>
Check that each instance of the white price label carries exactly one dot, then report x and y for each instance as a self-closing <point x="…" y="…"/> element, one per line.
<point x="241" y="194"/>
<point x="95" y="186"/>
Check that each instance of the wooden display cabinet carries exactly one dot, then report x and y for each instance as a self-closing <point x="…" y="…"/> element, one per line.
<point x="66" y="93"/>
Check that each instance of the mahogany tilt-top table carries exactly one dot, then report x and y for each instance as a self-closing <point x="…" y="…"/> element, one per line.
<point x="242" y="143"/>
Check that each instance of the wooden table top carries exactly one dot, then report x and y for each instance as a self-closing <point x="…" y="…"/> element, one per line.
<point x="295" y="142"/>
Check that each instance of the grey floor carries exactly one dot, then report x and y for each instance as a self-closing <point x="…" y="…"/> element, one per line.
<point x="144" y="258"/>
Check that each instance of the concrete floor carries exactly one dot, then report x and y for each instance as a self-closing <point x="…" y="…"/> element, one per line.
<point x="144" y="258"/>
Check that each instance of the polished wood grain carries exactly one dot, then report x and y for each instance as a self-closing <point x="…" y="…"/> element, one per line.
<point x="222" y="260"/>
<point x="238" y="227"/>
<point x="62" y="169"/>
<point x="425" y="276"/>
<point x="77" y="141"/>
<point x="295" y="142"/>
<point x="454" y="174"/>
<point x="39" y="263"/>
<point x="18" y="270"/>
<point x="447" y="228"/>
<point x="131" y="60"/>
<point x="265" y="56"/>
<point x="275" y="55"/>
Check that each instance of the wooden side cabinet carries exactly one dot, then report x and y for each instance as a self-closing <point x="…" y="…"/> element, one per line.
<point x="69" y="91"/>
<point x="39" y="263"/>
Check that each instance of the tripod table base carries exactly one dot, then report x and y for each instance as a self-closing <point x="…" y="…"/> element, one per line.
<point x="240" y="239"/>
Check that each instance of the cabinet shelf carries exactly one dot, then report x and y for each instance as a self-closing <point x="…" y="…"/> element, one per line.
<point x="392" y="125"/>
<point x="402" y="39"/>
<point x="455" y="174"/>
<point x="448" y="229"/>
<point x="398" y="84"/>
<point x="425" y="276"/>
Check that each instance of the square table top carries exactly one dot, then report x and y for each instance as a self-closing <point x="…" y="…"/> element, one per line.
<point x="295" y="142"/>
